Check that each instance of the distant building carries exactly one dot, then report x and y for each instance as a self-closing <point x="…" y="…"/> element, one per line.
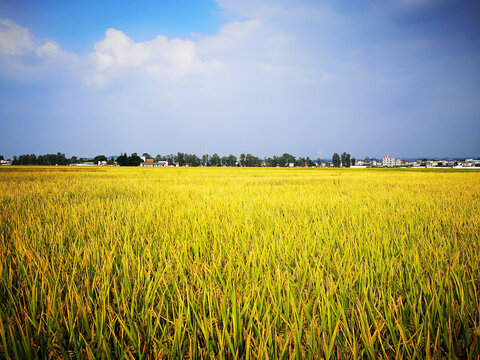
<point x="152" y="163"/>
<point x="5" y="162"/>
<point x="471" y="163"/>
<point x="420" y="163"/>
<point x="389" y="161"/>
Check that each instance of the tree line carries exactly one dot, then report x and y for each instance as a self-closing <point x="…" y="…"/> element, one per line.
<point x="185" y="159"/>
<point x="244" y="160"/>
<point x="55" y="159"/>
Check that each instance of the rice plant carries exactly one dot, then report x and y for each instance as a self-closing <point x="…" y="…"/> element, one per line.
<point x="239" y="263"/>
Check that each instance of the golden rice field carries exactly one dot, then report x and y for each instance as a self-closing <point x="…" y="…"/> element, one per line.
<point x="135" y="263"/>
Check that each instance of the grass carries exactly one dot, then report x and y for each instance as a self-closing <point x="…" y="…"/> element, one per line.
<point x="239" y="263"/>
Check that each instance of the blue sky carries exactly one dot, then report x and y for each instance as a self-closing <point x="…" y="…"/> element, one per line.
<point x="372" y="78"/>
<point x="77" y="25"/>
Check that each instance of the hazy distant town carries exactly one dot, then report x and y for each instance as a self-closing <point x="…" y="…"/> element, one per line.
<point x="343" y="160"/>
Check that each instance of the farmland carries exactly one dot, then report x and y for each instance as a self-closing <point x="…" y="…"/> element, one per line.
<point x="239" y="263"/>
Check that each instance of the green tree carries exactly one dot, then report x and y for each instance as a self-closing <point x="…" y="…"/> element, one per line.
<point x="180" y="159"/>
<point x="251" y="160"/>
<point x="122" y="160"/>
<point x="354" y="161"/>
<point x="29" y="159"/>
<point x="134" y="160"/>
<point x="242" y="159"/>
<point x="205" y="159"/>
<point x="276" y="161"/>
<point x="98" y="158"/>
<point x="192" y="160"/>
<point x="224" y="160"/>
<point x="300" y="162"/>
<point x="309" y="162"/>
<point x="60" y="159"/>
<point x="271" y="162"/>
<point x="347" y="161"/>
<point x="286" y="159"/>
<point x="336" y="160"/>
<point x="232" y="160"/>
<point x="215" y="160"/>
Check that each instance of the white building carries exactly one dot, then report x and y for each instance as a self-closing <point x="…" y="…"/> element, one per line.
<point x="366" y="162"/>
<point x="152" y="163"/>
<point x="388" y="161"/>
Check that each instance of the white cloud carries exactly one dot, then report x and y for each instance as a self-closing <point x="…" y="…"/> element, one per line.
<point x="246" y="41"/>
<point x="52" y="52"/>
<point x="117" y="54"/>
<point x="232" y="36"/>
<point x="25" y="58"/>
<point x="233" y="55"/>
<point x="14" y="39"/>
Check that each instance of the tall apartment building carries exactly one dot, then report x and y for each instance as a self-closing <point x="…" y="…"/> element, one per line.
<point x="390" y="161"/>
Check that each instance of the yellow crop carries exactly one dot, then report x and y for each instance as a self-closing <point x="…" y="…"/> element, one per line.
<point x="239" y="263"/>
